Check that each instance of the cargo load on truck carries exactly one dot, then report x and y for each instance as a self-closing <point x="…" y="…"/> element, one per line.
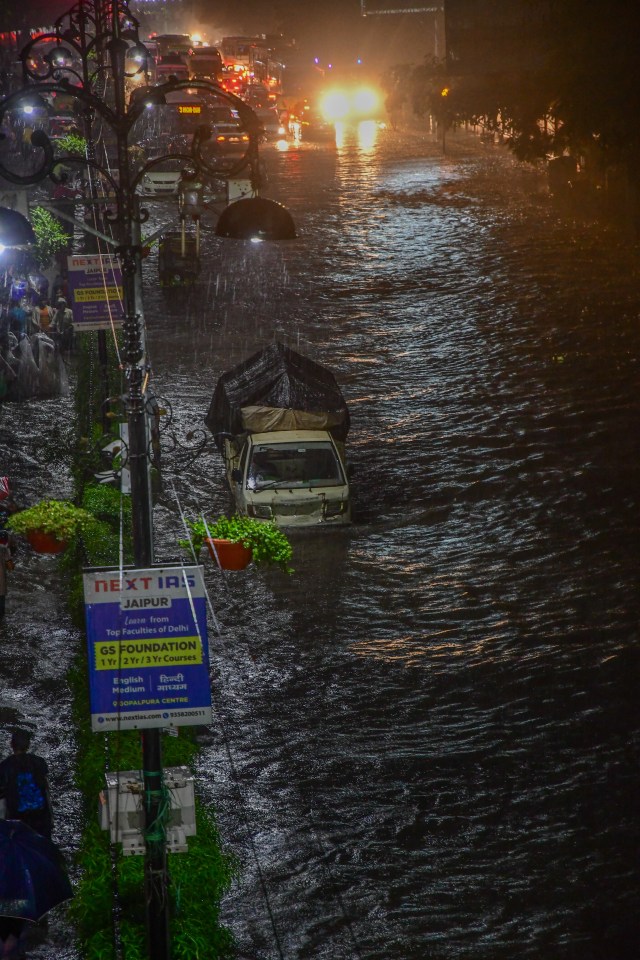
<point x="277" y="389"/>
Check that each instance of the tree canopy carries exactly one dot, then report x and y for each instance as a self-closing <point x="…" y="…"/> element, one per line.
<point x="554" y="76"/>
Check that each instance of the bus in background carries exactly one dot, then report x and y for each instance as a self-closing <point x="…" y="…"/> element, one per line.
<point x="180" y="43"/>
<point x="172" y="54"/>
<point x="205" y="63"/>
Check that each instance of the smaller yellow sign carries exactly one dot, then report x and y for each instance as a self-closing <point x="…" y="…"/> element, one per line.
<point x="150" y="652"/>
<point x="89" y="294"/>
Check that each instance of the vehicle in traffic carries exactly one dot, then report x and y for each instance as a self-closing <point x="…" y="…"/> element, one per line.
<point x="280" y="422"/>
<point x="172" y="65"/>
<point x="270" y="121"/>
<point x="307" y="123"/>
<point x="186" y="111"/>
<point x="205" y="63"/>
<point x="227" y="133"/>
<point x="230" y="136"/>
<point x="351" y="103"/>
<point x="166" y="43"/>
<point x="163" y="180"/>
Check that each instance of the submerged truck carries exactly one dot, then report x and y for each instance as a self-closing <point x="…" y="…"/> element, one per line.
<point x="280" y="422"/>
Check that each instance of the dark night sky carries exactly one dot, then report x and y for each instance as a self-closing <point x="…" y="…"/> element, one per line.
<point x="330" y="29"/>
<point x="333" y="30"/>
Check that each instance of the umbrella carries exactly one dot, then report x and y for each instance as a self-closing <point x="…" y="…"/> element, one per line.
<point x="33" y="878"/>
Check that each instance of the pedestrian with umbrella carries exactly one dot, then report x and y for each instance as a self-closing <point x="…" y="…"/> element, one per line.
<point x="33" y="880"/>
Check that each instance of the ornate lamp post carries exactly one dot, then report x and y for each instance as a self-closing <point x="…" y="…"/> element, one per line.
<point x="91" y="55"/>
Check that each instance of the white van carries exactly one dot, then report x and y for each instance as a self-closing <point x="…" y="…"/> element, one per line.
<point x="295" y="477"/>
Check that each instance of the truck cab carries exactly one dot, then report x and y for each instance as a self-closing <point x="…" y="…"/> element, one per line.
<point x="295" y="477"/>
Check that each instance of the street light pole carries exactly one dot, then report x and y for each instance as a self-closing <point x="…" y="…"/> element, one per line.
<point x="156" y="873"/>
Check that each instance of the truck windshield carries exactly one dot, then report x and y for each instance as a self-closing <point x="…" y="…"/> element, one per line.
<point x="292" y="465"/>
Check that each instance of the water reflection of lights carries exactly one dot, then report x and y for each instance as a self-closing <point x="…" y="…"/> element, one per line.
<point x="366" y="133"/>
<point x="282" y="145"/>
<point x="438" y="648"/>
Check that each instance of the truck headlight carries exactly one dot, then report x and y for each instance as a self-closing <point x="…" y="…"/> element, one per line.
<point x="261" y="511"/>
<point x="335" y="507"/>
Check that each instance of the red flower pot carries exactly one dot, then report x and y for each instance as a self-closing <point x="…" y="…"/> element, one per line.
<point x="45" y="542"/>
<point x="230" y="556"/>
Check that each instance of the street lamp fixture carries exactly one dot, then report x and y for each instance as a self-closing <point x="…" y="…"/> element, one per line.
<point x="15" y="230"/>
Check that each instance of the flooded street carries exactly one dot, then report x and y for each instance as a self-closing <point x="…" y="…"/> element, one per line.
<point x="426" y="740"/>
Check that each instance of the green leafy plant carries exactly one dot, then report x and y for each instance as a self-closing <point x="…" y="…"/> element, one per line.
<point x="50" y="237"/>
<point x="74" y="144"/>
<point x="59" y="518"/>
<point x="269" y="545"/>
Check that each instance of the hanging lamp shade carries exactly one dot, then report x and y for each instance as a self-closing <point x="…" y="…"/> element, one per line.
<point x="256" y="218"/>
<point x="15" y="230"/>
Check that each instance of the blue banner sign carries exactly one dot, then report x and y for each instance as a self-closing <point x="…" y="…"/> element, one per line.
<point x="148" y="648"/>
<point x="95" y="290"/>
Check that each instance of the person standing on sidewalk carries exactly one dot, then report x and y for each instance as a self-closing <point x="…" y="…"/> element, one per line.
<point x="62" y="325"/>
<point x="24" y="786"/>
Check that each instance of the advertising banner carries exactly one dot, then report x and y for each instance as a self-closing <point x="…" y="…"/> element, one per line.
<point x="148" y="648"/>
<point x="95" y="291"/>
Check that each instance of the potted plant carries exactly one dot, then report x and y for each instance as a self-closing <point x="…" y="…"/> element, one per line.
<point x="234" y="542"/>
<point x="50" y="524"/>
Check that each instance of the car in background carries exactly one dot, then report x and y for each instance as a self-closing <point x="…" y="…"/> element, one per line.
<point x="307" y="123"/>
<point x="270" y="120"/>
<point x="257" y="95"/>
<point x="229" y="137"/>
<point x="162" y="180"/>
<point x="227" y="133"/>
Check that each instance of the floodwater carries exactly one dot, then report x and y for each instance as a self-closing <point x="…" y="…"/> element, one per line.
<point x="426" y="740"/>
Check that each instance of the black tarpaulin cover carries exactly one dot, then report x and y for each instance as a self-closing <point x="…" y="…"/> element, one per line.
<point x="278" y="378"/>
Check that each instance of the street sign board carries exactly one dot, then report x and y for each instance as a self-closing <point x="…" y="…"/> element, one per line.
<point x="147" y="646"/>
<point x="370" y="8"/>
<point x="95" y="291"/>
